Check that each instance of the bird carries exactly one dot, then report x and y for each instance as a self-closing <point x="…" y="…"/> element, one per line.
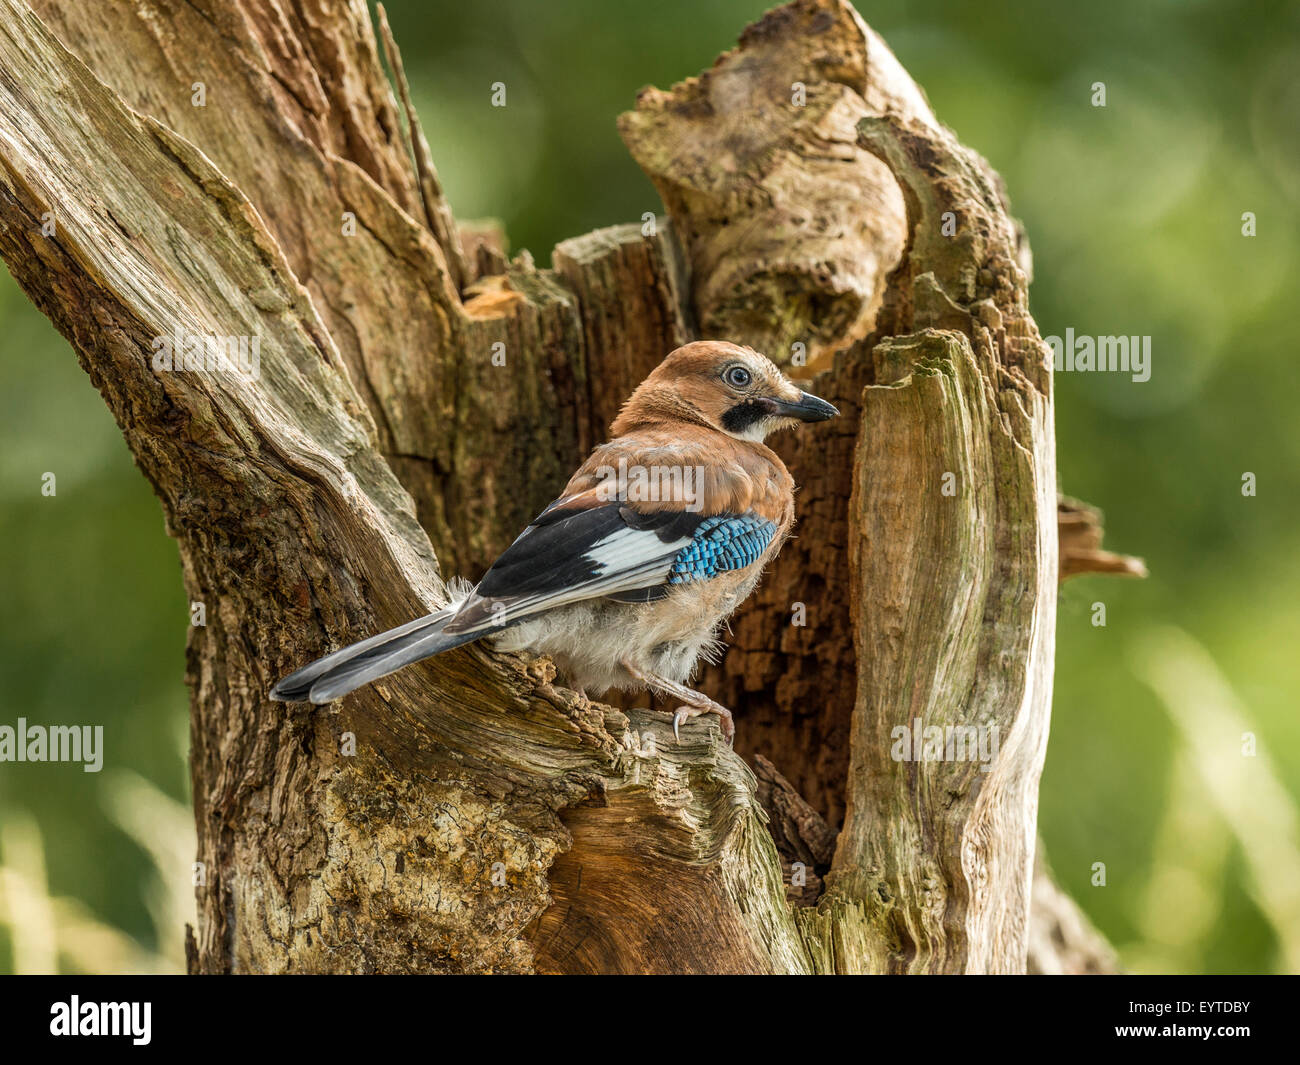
<point x="627" y="578"/>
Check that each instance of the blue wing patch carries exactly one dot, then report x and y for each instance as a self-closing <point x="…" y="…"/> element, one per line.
<point x="725" y="542"/>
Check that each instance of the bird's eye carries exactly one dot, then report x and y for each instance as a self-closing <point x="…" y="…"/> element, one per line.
<point x="737" y="377"/>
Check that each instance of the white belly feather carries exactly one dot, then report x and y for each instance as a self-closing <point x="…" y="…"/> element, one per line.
<point x="589" y="641"/>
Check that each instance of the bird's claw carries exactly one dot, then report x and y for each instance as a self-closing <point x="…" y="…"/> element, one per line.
<point x="685" y="713"/>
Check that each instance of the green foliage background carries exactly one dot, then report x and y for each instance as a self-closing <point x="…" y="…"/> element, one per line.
<point x="1134" y="212"/>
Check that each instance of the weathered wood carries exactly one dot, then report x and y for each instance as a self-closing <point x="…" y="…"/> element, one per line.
<point x="790" y="225"/>
<point x="485" y="387"/>
<point x="429" y="848"/>
<point x="470" y="814"/>
<point x="1081" y="534"/>
<point x="955" y="578"/>
<point x="803" y="839"/>
<point x="437" y="211"/>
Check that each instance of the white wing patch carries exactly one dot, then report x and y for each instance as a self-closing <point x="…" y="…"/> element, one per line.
<point x="623" y="561"/>
<point x="630" y="549"/>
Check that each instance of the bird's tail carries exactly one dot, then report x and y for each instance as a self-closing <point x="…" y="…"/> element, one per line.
<point x="333" y="676"/>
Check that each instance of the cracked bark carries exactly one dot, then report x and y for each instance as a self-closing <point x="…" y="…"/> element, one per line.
<point x="470" y="814"/>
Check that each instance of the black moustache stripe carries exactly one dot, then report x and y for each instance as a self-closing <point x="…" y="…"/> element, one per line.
<point x="743" y="416"/>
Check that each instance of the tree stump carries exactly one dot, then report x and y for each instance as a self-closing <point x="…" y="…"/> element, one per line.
<point x="419" y="399"/>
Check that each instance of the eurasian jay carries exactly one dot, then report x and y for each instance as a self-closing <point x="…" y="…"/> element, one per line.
<point x="626" y="579"/>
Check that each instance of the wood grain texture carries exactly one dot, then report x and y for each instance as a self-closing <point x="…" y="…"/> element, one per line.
<point x="955" y="588"/>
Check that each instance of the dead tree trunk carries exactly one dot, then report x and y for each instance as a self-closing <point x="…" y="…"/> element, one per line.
<point x="250" y="173"/>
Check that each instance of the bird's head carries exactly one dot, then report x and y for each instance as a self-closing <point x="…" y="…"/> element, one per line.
<point x="723" y="386"/>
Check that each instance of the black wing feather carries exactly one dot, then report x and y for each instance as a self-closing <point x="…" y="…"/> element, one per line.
<point x="551" y="555"/>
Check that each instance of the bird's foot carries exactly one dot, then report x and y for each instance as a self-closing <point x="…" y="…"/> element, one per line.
<point x="690" y="710"/>
<point x="693" y="703"/>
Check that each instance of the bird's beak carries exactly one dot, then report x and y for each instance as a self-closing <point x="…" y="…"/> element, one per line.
<point x="808" y="408"/>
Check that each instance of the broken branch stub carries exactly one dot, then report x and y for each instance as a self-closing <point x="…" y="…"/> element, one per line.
<point x="790" y="225"/>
